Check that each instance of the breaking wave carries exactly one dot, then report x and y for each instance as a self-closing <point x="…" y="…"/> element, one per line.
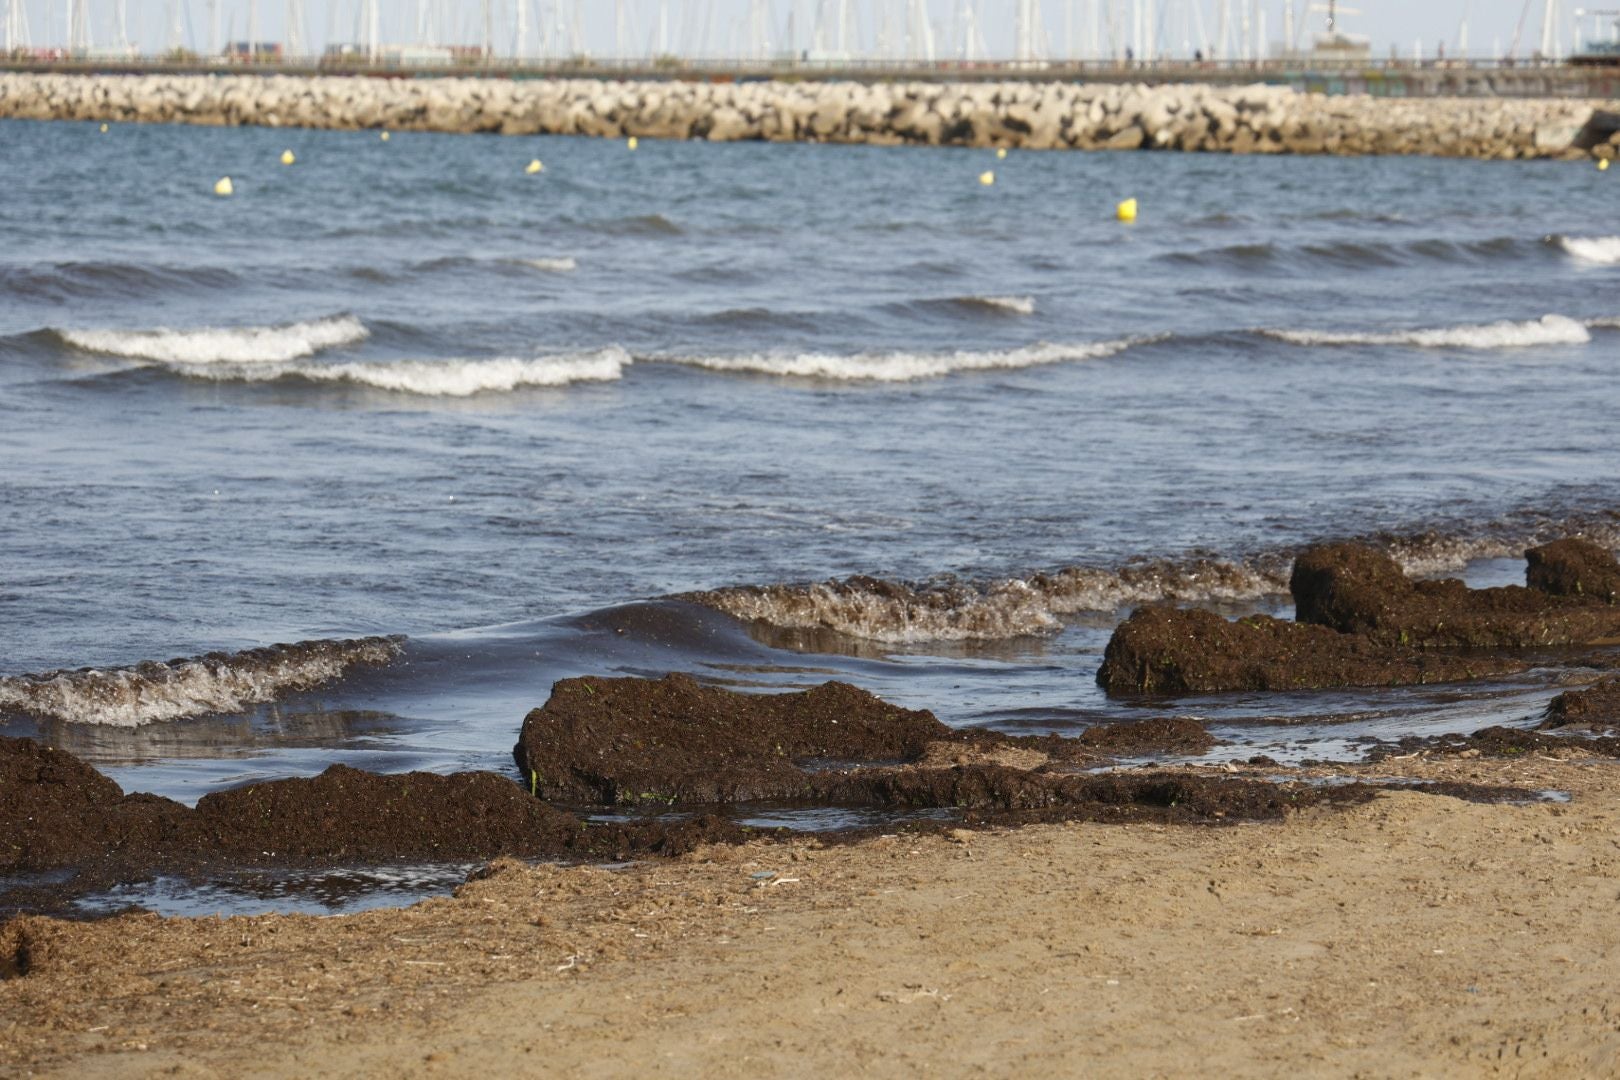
<point x="222" y="345"/>
<point x="434" y="378"/>
<point x="951" y="609"/>
<point x="1547" y="330"/>
<point x="563" y="265"/>
<point x="1000" y="305"/>
<point x="903" y="366"/>
<point x="195" y="686"/>
<point x="948" y="609"/>
<point x="1598" y="250"/>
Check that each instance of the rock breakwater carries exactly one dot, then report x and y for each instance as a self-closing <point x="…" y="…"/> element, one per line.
<point x="1020" y="115"/>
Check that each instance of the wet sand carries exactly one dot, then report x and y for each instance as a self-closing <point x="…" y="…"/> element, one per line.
<point x="1412" y="934"/>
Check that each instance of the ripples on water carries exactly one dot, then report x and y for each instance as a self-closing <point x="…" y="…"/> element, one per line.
<point x="934" y="436"/>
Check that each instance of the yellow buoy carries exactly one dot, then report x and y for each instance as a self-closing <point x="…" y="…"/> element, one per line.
<point x="287" y="157"/>
<point x="534" y="167"/>
<point x="104" y="129"/>
<point x="1126" y="211"/>
<point x="223" y="186"/>
<point x="1001" y="153"/>
<point x="383" y="136"/>
<point x="632" y="142"/>
<point x="1603" y="164"/>
<point x="987" y="178"/>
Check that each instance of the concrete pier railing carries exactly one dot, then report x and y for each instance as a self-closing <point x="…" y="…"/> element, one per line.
<point x="1028" y="115"/>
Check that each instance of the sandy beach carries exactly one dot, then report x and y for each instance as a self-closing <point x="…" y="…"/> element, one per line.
<point x="1415" y="935"/>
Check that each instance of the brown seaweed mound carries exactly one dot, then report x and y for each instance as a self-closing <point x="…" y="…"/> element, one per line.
<point x="1574" y="568"/>
<point x="1356" y="589"/>
<point x="56" y="811"/>
<point x="673" y="740"/>
<point x="1597" y="706"/>
<point x="1173" y="650"/>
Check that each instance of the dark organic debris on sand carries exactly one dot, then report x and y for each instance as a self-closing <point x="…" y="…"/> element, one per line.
<point x="62" y="819"/>
<point x="1175" y="734"/>
<point x="1574" y="567"/>
<point x="673" y="741"/>
<point x="1360" y="621"/>
<point x="1175" y="650"/>
<point x="56" y="812"/>
<point x="1597" y="707"/>
<point x="1503" y="742"/>
<point x="1356" y="589"/>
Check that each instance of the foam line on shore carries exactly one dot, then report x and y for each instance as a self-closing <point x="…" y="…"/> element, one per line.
<point x="951" y="609"/>
<point x="215" y="683"/>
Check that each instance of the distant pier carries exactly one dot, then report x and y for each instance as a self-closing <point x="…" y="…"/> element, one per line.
<point x="1045" y="109"/>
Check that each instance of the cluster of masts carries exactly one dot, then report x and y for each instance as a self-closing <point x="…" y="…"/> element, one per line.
<point x="825" y="31"/>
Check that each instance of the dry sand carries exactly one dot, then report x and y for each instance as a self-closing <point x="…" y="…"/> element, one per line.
<point x="1417" y="935"/>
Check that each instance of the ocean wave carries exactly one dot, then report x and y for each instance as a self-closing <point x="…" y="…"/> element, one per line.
<point x="1355" y="254"/>
<point x="194" y="686"/>
<point x="434" y="378"/>
<point x="562" y="265"/>
<point x="1000" y="305"/>
<point x="1598" y="250"/>
<point x="903" y="366"/>
<point x="87" y="280"/>
<point x="634" y="225"/>
<point x="1547" y="330"/>
<point x="948" y="609"/>
<point x="222" y="345"/>
<point x="951" y="609"/>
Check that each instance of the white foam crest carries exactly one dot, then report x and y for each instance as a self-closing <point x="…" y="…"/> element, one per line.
<point x="1433" y="554"/>
<point x="562" y="265"/>
<point x="223" y="345"/>
<point x="1430" y="556"/>
<point x="901" y="366"/>
<point x="1547" y="330"/>
<point x="198" y="686"/>
<point x="897" y="613"/>
<point x="439" y="378"/>
<point x="1014" y="305"/>
<point x="1597" y="250"/>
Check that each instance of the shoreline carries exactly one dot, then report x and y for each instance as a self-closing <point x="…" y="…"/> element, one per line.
<point x="1256" y="119"/>
<point x="1413" y="933"/>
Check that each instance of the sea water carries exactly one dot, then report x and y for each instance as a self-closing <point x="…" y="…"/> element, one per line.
<point x="352" y="465"/>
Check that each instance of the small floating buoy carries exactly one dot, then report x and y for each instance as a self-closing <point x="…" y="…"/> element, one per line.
<point x="987" y="178"/>
<point x="383" y="136"/>
<point x="223" y="186"/>
<point x="104" y="129"/>
<point x="1001" y="153"/>
<point x="1126" y="211"/>
<point x="287" y="157"/>
<point x="1603" y="164"/>
<point x="632" y="142"/>
<point x="534" y="167"/>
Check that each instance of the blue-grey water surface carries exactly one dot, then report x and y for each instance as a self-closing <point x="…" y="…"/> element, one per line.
<point x="410" y="390"/>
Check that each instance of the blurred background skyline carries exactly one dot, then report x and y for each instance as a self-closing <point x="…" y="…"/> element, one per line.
<point x="921" y="30"/>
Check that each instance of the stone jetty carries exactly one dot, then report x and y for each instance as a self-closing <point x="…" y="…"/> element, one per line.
<point x="1255" y="119"/>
